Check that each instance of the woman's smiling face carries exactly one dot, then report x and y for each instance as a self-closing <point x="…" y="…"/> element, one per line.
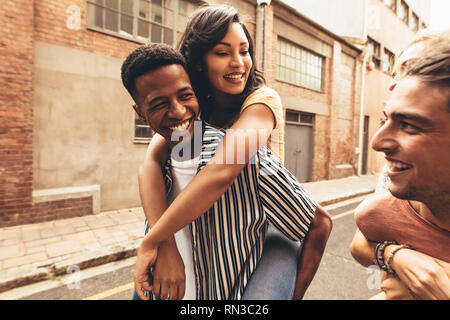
<point x="228" y="63"/>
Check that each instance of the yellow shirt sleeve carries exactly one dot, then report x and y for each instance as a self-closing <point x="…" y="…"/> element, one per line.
<point x="271" y="99"/>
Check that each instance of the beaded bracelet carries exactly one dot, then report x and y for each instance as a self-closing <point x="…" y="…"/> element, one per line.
<point x="375" y="260"/>
<point x="379" y="253"/>
<point x="389" y="259"/>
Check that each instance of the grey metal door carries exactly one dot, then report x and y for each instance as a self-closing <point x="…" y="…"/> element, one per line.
<point x="298" y="151"/>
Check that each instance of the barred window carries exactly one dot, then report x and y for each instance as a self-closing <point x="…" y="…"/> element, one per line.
<point x="299" y="66"/>
<point x="388" y="61"/>
<point x="299" y="117"/>
<point x="185" y="8"/>
<point x="140" y="20"/>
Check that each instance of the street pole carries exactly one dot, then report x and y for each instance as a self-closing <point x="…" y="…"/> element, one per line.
<point x="367" y="55"/>
<point x="361" y="113"/>
<point x="263" y="4"/>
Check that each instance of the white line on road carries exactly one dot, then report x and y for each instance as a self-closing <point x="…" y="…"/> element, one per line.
<point x="111" y="292"/>
<point x="340" y="215"/>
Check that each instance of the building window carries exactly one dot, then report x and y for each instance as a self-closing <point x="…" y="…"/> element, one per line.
<point x="403" y="12"/>
<point x="414" y="22"/>
<point x="299" y="117"/>
<point x="140" y="20"/>
<point x="388" y="61"/>
<point x="373" y="48"/>
<point x="142" y="131"/>
<point x="392" y="4"/>
<point x="299" y="66"/>
<point x="185" y="8"/>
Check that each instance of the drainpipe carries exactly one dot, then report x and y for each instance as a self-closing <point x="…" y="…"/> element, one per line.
<point x="361" y="111"/>
<point x="263" y="4"/>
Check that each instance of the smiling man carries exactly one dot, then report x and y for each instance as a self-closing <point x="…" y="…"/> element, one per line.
<point x="414" y="139"/>
<point x="406" y="232"/>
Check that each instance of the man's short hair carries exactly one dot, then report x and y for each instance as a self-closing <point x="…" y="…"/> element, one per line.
<point x="432" y="68"/>
<point x="147" y="58"/>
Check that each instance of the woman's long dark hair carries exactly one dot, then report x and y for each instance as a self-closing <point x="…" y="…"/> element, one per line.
<point x="207" y="27"/>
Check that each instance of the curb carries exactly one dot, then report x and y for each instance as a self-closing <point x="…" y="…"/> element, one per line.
<point x="29" y="274"/>
<point x="343" y="197"/>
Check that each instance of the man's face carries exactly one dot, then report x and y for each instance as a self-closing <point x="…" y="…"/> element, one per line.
<point x="167" y="101"/>
<point x="415" y="140"/>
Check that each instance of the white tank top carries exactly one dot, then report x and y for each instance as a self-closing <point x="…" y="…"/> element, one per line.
<point x="182" y="173"/>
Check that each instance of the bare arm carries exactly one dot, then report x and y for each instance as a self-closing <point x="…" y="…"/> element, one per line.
<point x="151" y="180"/>
<point x="362" y="249"/>
<point x="425" y="276"/>
<point x="168" y="274"/>
<point x="312" y="251"/>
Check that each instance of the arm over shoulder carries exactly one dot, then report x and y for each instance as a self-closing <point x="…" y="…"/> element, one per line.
<point x="270" y="98"/>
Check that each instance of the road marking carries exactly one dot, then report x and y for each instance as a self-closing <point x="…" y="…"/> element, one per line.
<point x="111" y="292"/>
<point x="340" y="215"/>
<point x="351" y="201"/>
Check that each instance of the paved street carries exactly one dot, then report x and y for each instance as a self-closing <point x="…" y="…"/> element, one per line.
<point x="338" y="278"/>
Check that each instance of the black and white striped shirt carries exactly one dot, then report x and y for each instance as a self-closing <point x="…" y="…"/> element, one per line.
<point x="227" y="240"/>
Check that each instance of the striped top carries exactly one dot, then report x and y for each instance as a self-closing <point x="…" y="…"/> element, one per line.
<point x="227" y="240"/>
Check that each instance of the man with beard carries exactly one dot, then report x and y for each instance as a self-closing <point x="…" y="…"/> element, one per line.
<point x="406" y="232"/>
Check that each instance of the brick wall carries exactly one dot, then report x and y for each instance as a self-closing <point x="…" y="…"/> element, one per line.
<point x="22" y="22"/>
<point x="59" y="209"/>
<point x="16" y="111"/>
<point x="342" y="132"/>
<point x="335" y="136"/>
<point x="50" y="26"/>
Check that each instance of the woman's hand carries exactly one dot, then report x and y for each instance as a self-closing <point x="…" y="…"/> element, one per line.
<point x="142" y="274"/>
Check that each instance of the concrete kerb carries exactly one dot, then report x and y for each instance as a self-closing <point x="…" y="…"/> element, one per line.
<point x="343" y="197"/>
<point x="25" y="275"/>
<point x="21" y="276"/>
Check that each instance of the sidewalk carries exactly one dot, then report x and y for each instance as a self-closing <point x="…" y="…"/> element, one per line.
<point x="41" y="251"/>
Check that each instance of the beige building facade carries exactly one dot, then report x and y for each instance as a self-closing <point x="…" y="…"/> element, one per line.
<point x="394" y="24"/>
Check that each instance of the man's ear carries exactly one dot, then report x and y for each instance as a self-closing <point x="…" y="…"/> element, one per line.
<point x="138" y="111"/>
